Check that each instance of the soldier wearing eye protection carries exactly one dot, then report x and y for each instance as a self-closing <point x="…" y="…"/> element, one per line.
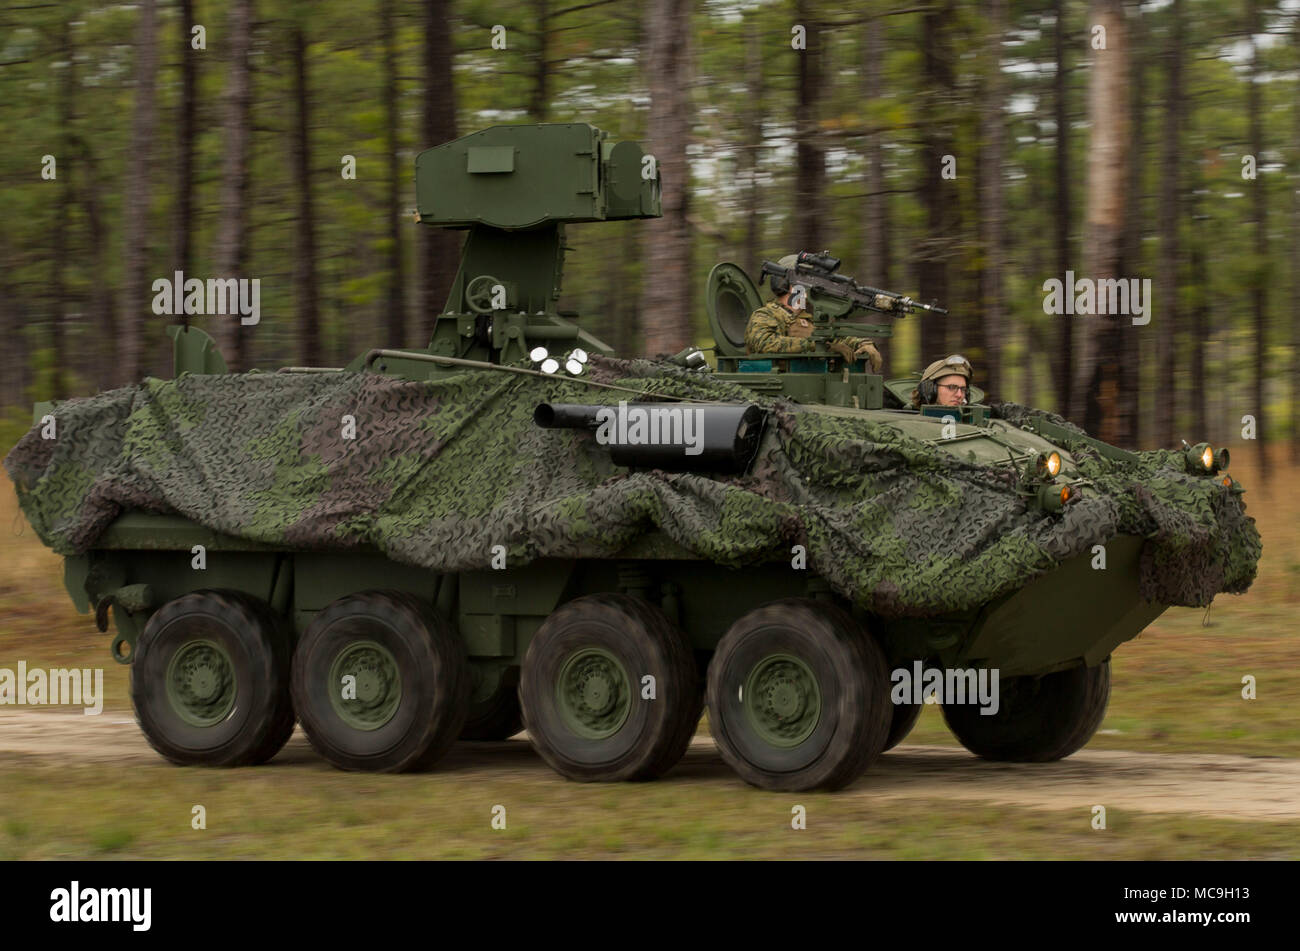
<point x="945" y="382"/>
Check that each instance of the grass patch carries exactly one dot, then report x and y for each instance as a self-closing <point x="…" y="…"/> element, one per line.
<point x="295" y="811"/>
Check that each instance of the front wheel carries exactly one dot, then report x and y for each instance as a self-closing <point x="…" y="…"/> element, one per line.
<point x="1039" y="719"/>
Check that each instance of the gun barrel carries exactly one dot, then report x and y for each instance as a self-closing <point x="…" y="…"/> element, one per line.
<point x="676" y="437"/>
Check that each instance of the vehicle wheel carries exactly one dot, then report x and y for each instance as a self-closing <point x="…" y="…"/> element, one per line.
<point x="1039" y="719"/>
<point x="282" y="727"/>
<point x="380" y="683"/>
<point x="499" y="715"/>
<point x="798" y="697"/>
<point x="582" y="690"/>
<point x="904" y="717"/>
<point x="210" y="680"/>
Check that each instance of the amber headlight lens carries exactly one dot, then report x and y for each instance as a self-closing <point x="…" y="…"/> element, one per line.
<point x="1207" y="458"/>
<point x="1053" y="498"/>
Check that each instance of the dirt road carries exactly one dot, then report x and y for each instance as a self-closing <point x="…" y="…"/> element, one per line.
<point x="1231" y="787"/>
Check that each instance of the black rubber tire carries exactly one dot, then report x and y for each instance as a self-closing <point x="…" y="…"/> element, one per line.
<point x="852" y="678"/>
<point x="282" y="726"/>
<point x="246" y="630"/>
<point x="1039" y="719"/>
<point x="500" y="716"/>
<point x="655" y="734"/>
<point x="434" y="681"/>
<point x="903" y="719"/>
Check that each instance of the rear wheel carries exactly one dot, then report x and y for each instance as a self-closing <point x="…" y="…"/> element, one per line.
<point x="210" y="680"/>
<point x="591" y="710"/>
<point x="1039" y="719"/>
<point x="497" y="714"/>
<point x="798" y="697"/>
<point x="380" y="683"/>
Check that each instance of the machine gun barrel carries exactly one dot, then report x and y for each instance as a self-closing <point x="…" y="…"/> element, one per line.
<point x="676" y="437"/>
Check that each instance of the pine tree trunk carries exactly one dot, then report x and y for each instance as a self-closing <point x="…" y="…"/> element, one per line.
<point x="810" y="220"/>
<point x="1064" y="369"/>
<point x="1097" y="384"/>
<point x="395" y="329"/>
<point x="992" y="138"/>
<point x="14" y="360"/>
<point x="1129" y="400"/>
<point x="937" y="194"/>
<point x="752" y="146"/>
<point x="667" y="291"/>
<point x="439" y="248"/>
<point x="876" y="220"/>
<point x="135" y="203"/>
<point x="102" y="306"/>
<point x="182" y="242"/>
<point x="58" y="292"/>
<point x="1034" y="342"/>
<point x="1259" y="206"/>
<point x="539" y="98"/>
<point x="232" y="236"/>
<point x="1167" y="315"/>
<point x="1295" y="270"/>
<point x="304" y="264"/>
<point x="1200" y="317"/>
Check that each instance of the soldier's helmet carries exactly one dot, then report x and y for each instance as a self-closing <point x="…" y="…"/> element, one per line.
<point x="927" y="391"/>
<point x="948" y="366"/>
<point x="779" y="285"/>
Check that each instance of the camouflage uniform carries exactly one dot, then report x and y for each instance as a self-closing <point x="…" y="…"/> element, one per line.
<point x="769" y="331"/>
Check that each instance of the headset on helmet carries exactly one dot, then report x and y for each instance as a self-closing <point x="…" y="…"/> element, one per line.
<point x="779" y="285"/>
<point x="929" y="386"/>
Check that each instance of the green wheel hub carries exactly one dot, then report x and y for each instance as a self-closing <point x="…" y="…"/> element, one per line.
<point x="372" y="696"/>
<point x="781" y="700"/>
<point x="201" y="683"/>
<point x="593" y="693"/>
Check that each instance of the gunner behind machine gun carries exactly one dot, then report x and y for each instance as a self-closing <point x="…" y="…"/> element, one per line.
<point x="788" y="324"/>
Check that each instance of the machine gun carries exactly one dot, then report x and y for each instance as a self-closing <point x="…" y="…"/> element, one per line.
<point x="817" y="273"/>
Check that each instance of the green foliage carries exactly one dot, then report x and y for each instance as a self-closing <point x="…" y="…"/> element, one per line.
<point x="592" y="58"/>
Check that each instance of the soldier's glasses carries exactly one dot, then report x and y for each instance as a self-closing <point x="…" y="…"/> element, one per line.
<point x="954" y="388"/>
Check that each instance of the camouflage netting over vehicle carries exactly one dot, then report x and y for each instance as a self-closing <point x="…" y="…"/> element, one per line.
<point x="440" y="472"/>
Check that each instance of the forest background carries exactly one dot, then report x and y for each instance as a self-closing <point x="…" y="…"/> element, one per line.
<point x="961" y="152"/>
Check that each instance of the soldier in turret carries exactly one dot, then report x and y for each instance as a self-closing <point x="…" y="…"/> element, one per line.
<point x="945" y="382"/>
<point x="779" y="326"/>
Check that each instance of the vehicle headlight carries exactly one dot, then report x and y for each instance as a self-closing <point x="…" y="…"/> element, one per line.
<point x="1053" y="498"/>
<point x="1049" y="465"/>
<point x="1201" y="459"/>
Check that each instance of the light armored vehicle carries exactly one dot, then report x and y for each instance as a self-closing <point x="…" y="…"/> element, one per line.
<point x="513" y="526"/>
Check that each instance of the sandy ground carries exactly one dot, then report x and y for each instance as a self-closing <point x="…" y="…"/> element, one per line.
<point x="1234" y="787"/>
